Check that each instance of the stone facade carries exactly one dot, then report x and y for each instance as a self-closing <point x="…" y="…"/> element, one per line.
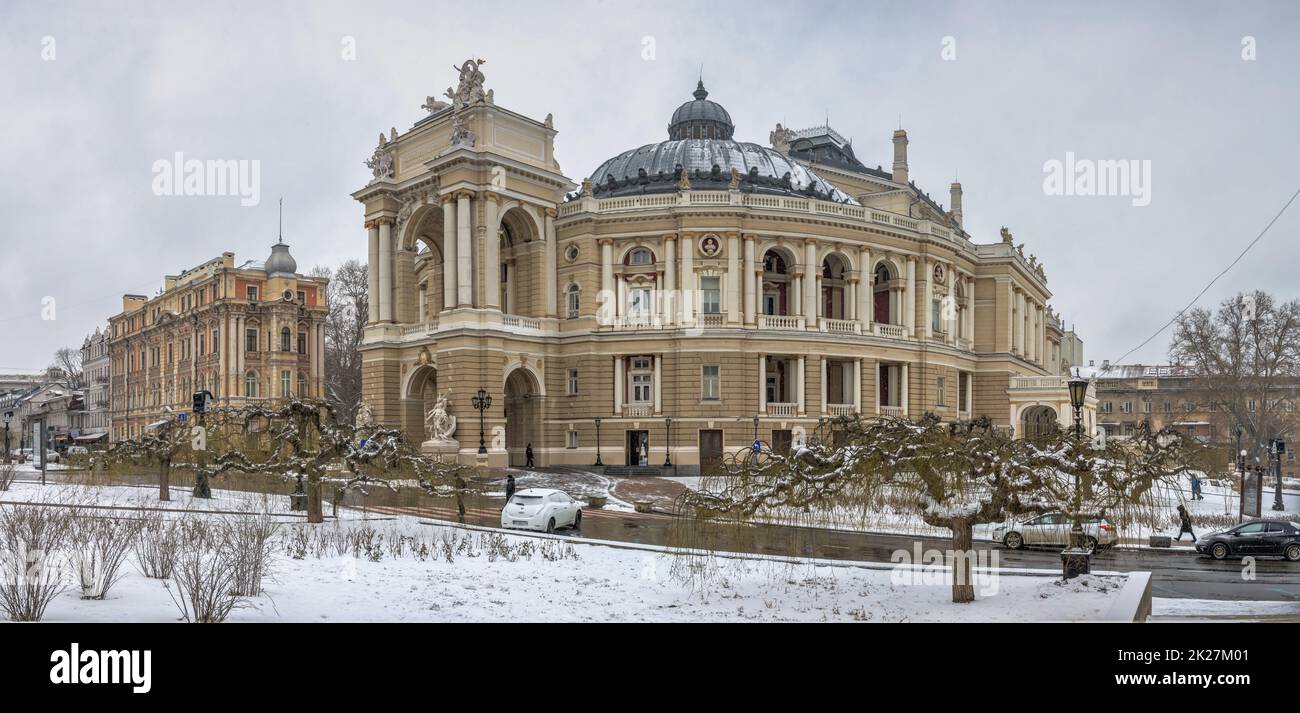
<point x="708" y="296"/>
<point x="252" y="332"/>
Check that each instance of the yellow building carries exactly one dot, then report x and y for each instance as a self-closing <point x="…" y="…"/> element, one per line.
<point x="247" y="333"/>
<point x="687" y="288"/>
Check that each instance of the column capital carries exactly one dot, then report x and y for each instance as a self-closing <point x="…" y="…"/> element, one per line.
<point x="748" y="237"/>
<point x="385" y="220"/>
<point x="604" y="241"/>
<point x="446" y="198"/>
<point x="370" y="224"/>
<point x="669" y="236"/>
<point x="551" y="212"/>
<point x="463" y="194"/>
<point x="491" y="195"/>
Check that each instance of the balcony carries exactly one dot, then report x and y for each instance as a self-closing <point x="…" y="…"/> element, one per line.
<point x="839" y="326"/>
<point x="895" y="411"/>
<point x="780" y="410"/>
<point x="1038" y="382"/>
<point x="893" y="331"/>
<point x="428" y="327"/>
<point x="513" y="320"/>
<point x="782" y="322"/>
<point x="841" y="409"/>
<point x="638" y="410"/>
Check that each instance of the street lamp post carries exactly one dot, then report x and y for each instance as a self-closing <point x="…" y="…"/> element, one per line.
<point x="668" y="442"/>
<point x="1078" y="392"/>
<point x="1277" y="448"/>
<point x="8" y="415"/>
<point x="756" y="429"/>
<point x="481" y="403"/>
<point x="598" y="462"/>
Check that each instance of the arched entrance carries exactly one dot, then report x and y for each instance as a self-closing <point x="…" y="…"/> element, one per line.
<point x="1037" y="422"/>
<point x="523" y="410"/>
<point x="420" y="397"/>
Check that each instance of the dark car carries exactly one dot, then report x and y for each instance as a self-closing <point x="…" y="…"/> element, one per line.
<point x="1261" y="538"/>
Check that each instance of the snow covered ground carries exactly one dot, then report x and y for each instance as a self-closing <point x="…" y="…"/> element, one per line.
<point x="405" y="569"/>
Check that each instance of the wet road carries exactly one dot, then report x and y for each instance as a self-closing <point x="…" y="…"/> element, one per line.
<point x="1176" y="574"/>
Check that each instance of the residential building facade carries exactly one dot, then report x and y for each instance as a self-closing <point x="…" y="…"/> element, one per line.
<point x="95" y="419"/>
<point x="248" y="333"/>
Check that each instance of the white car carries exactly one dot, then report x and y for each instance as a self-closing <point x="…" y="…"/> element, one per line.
<point x="541" y="509"/>
<point x="1053" y="530"/>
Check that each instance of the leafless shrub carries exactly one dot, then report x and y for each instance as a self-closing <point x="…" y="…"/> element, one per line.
<point x="8" y="472"/>
<point x="97" y="547"/>
<point x="30" y="578"/>
<point x="248" y="540"/>
<point x="156" y="546"/>
<point x="204" y="577"/>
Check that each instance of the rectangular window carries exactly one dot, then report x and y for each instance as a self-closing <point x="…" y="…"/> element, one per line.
<point x="250" y="339"/>
<point x="936" y="317"/>
<point x="302" y="297"/>
<point x="573" y="439"/>
<point x="1250" y="406"/>
<point x="710" y="386"/>
<point x="940" y="391"/>
<point x="711" y="299"/>
<point x="302" y="343"/>
<point x="572" y="389"/>
<point x="252" y="293"/>
<point x="202" y="343"/>
<point x="639" y="303"/>
<point x="285" y="384"/>
<point x="215" y="342"/>
<point x="573" y="303"/>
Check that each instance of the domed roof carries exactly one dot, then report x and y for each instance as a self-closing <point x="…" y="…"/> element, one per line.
<point x="701" y="119"/>
<point x="700" y="143"/>
<point x="281" y="262"/>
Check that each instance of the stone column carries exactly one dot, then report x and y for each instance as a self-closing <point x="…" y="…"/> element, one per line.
<point x="551" y="281"/>
<point x="1017" y="321"/>
<point x="464" y="251"/>
<point x="857" y="385"/>
<point x="607" y="301"/>
<point x="733" y="279"/>
<point x="903" y="376"/>
<point x="372" y="271"/>
<point x="851" y="298"/>
<point x="927" y="299"/>
<point x="762" y="383"/>
<point x="909" y="298"/>
<point x="448" y="253"/>
<point x="811" y="303"/>
<point x="801" y="383"/>
<point x="748" y="299"/>
<point x="826" y="380"/>
<point x="385" y="270"/>
<point x="618" y="386"/>
<point x="659" y="380"/>
<point x="492" y="253"/>
<point x="668" y="302"/>
<point x="866" y="289"/>
<point x="688" y="279"/>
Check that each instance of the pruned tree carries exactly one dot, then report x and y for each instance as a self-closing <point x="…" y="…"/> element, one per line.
<point x="1247" y="360"/>
<point x="161" y="445"/>
<point x="348" y="299"/>
<point x="952" y="475"/>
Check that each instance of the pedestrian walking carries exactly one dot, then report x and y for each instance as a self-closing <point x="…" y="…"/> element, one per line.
<point x="1185" y="524"/>
<point x="510" y="486"/>
<point x="528" y="453"/>
<point x="1196" y="489"/>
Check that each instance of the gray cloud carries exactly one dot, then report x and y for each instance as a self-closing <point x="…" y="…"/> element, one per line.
<point x="1163" y="82"/>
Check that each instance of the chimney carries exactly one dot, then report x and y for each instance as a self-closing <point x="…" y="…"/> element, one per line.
<point x="900" y="156"/>
<point x="955" y="195"/>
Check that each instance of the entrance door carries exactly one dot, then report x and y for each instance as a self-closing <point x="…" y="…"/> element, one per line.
<point x="781" y="440"/>
<point x="710" y="449"/>
<point x="638" y="448"/>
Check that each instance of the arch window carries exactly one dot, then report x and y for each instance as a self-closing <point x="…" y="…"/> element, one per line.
<point x="640" y="256"/>
<point x="573" y="301"/>
<point x="286" y="340"/>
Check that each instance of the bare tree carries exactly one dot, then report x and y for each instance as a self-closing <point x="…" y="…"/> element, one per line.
<point x="950" y="475"/>
<point x="1247" y="357"/>
<point x="349" y="308"/>
<point x="67" y="361"/>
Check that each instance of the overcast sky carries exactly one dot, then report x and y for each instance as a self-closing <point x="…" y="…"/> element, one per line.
<point x="94" y="94"/>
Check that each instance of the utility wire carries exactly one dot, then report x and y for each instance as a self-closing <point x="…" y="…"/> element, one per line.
<point x="1216" y="279"/>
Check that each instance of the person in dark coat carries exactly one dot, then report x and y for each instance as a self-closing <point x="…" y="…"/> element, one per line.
<point x="528" y="453"/>
<point x="510" y="486"/>
<point x="1185" y="524"/>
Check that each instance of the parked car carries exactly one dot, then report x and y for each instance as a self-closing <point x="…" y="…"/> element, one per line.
<point x="77" y="450"/>
<point x="541" y="509"/>
<point x="1053" y="530"/>
<point x="1260" y="538"/>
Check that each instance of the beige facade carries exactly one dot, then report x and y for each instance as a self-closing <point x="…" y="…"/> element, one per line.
<point x="247" y="333"/>
<point x="779" y="285"/>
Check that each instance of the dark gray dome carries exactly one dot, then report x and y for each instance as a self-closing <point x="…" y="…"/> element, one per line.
<point x="700" y="143"/>
<point x="281" y="262"/>
<point x="654" y="168"/>
<point x="701" y="119"/>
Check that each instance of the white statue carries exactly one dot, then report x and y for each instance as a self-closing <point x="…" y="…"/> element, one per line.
<point x="461" y="135"/>
<point x="780" y="137"/>
<point x="438" y="424"/>
<point x="433" y="106"/>
<point x="364" y="416"/>
<point x="469" y="90"/>
<point x="380" y="163"/>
